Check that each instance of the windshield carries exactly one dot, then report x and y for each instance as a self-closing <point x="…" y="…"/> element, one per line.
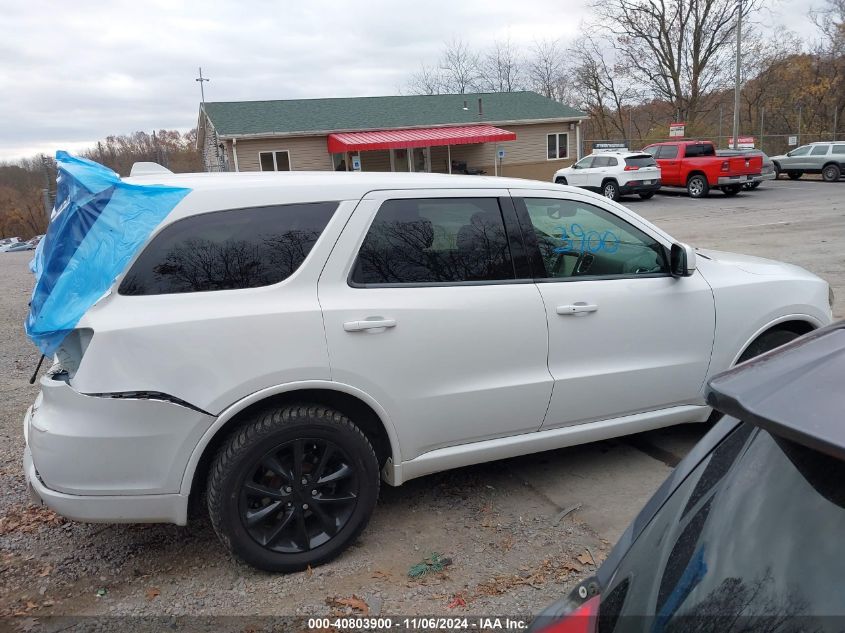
<point x="800" y="151"/>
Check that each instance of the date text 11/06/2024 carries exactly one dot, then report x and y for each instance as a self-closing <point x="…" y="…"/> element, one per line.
<point x="418" y="623"/>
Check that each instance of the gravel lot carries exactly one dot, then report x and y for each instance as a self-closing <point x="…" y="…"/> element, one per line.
<point x="497" y="522"/>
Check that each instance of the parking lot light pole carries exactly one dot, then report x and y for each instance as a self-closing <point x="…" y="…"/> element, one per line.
<point x="738" y="70"/>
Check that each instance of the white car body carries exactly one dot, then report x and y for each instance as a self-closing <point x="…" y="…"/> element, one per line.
<point x="456" y="375"/>
<point x="627" y="172"/>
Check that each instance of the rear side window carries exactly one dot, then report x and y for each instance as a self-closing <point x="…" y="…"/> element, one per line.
<point x="228" y="250"/>
<point x="704" y="149"/>
<point x="839" y="149"/>
<point x="667" y="151"/>
<point x="819" y="150"/>
<point x="436" y="240"/>
<point x="640" y="161"/>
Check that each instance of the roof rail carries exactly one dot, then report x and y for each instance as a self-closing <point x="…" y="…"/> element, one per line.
<point x="148" y="169"/>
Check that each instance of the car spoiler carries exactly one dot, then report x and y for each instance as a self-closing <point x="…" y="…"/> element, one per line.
<point x="794" y="392"/>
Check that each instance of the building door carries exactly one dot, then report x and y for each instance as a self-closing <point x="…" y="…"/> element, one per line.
<point x="421" y="159"/>
<point x="399" y="160"/>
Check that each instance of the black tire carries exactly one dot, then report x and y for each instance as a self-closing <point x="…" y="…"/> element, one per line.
<point x="302" y="444"/>
<point x="762" y="344"/>
<point x="647" y="196"/>
<point x="610" y="189"/>
<point x="831" y="173"/>
<point x="560" y="180"/>
<point x="766" y="343"/>
<point x="794" y="175"/>
<point x="698" y="187"/>
<point x="777" y="171"/>
<point x="731" y="190"/>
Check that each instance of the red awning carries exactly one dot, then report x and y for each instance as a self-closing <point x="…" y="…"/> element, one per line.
<point x="423" y="137"/>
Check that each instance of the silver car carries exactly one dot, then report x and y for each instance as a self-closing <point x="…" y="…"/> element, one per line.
<point x="827" y="159"/>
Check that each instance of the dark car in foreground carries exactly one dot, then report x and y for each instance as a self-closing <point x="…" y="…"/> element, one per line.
<point x="747" y="532"/>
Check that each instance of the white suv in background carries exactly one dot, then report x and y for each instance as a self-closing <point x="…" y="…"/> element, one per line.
<point x="283" y="342"/>
<point x="613" y="174"/>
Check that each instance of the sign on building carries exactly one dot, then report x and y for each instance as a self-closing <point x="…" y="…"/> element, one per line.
<point x="501" y="154"/>
<point x="793" y="140"/>
<point x="356" y="163"/>
<point x="677" y="129"/>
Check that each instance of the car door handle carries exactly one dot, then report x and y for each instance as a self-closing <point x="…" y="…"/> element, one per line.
<point x="368" y="324"/>
<point x="576" y="308"/>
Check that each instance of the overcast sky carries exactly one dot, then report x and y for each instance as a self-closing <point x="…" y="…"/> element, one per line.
<point x="74" y="72"/>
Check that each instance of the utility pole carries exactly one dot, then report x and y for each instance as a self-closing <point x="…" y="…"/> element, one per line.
<point x="762" y="112"/>
<point x="799" y="125"/>
<point x="202" y="80"/>
<point x="719" y="142"/>
<point x="48" y="207"/>
<point x="738" y="71"/>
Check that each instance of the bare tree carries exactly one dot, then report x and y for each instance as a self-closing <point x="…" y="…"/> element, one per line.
<point x="460" y="67"/>
<point x="546" y="69"/>
<point x="428" y="80"/>
<point x="602" y="88"/>
<point x="682" y="49"/>
<point x="502" y="68"/>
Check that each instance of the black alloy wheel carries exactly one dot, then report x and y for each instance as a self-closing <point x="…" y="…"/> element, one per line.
<point x="299" y="495"/>
<point x="292" y="487"/>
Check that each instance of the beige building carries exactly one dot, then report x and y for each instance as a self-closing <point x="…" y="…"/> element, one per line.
<point x="518" y="134"/>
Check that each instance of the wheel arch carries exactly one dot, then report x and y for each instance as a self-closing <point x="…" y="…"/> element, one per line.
<point x="797" y="323"/>
<point x="607" y="179"/>
<point x="697" y="172"/>
<point x="364" y="410"/>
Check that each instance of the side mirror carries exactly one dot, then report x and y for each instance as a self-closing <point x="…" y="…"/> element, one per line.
<point x="681" y="260"/>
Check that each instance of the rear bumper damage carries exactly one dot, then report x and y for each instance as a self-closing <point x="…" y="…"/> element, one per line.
<point x="107" y="459"/>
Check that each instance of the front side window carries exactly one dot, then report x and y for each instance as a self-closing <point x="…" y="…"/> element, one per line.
<point x="435" y="240"/>
<point x="228" y="250"/>
<point x="667" y="151"/>
<point x="585" y="163"/>
<point x="274" y="161"/>
<point x="801" y="151"/>
<point x="577" y="239"/>
<point x="819" y="150"/>
<point x="557" y="146"/>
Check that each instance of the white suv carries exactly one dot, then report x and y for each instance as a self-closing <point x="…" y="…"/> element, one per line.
<point x="613" y="174"/>
<point x="284" y="341"/>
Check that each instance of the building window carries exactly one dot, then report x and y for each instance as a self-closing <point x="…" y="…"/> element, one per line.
<point x="274" y="161"/>
<point x="557" y="146"/>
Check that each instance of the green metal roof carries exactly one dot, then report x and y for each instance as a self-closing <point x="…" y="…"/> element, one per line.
<point x="234" y="118"/>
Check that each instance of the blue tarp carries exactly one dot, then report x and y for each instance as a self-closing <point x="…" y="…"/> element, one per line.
<point x="97" y="225"/>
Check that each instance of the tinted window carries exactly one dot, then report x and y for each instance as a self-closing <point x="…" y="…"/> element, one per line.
<point x="667" y="151"/>
<point x="601" y="161"/>
<point x="437" y="240"/>
<point x="226" y="250"/>
<point x="640" y="161"/>
<point x="577" y="239"/>
<point x="704" y="149"/>
<point x="839" y="149"/>
<point x="731" y="542"/>
<point x="819" y="150"/>
<point x="651" y="150"/>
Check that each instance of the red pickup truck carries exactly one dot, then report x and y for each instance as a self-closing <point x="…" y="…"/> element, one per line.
<point x="694" y="165"/>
